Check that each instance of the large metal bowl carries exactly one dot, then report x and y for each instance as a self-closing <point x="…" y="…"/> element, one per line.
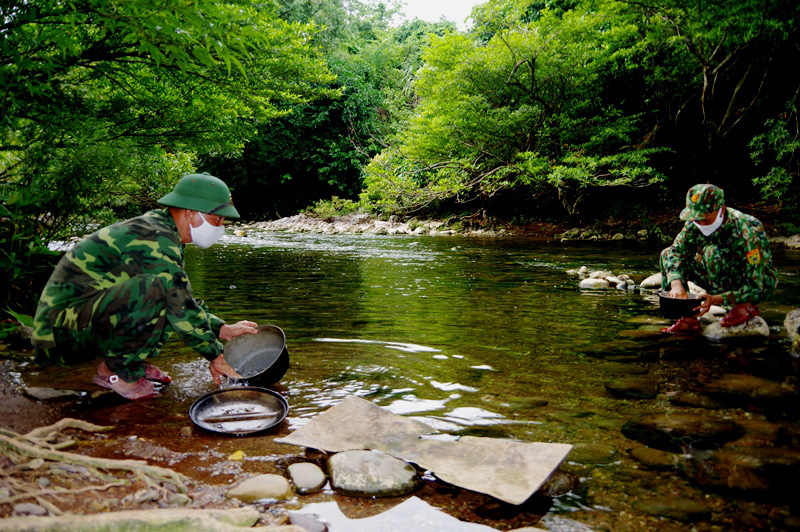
<point x="674" y="308"/>
<point x="261" y="359"/>
<point x="239" y="410"/>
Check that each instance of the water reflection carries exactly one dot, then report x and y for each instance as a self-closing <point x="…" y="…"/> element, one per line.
<point x="486" y="337"/>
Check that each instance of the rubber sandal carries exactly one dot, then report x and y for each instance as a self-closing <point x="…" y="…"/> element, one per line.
<point x="732" y="320"/>
<point x="684" y="326"/>
<point x="141" y="389"/>
<point x="152" y="373"/>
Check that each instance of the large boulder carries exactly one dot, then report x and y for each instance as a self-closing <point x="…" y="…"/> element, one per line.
<point x="372" y="474"/>
<point x="753" y="328"/>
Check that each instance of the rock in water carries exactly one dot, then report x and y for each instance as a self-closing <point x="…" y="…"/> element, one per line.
<point x="371" y="474"/>
<point x="594" y="284"/>
<point x="261" y="487"/>
<point x="674" y="432"/>
<point x="753" y="328"/>
<point x="307" y="477"/>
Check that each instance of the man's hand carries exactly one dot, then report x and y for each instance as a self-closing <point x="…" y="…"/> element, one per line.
<point x="226" y="332"/>
<point x="219" y="367"/>
<point x="708" y="300"/>
<point x="677" y="290"/>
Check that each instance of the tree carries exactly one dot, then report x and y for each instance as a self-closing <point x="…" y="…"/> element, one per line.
<point x="515" y="106"/>
<point x="99" y="98"/>
<point x="729" y="65"/>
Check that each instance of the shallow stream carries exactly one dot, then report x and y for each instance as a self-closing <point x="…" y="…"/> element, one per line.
<point x="487" y="337"/>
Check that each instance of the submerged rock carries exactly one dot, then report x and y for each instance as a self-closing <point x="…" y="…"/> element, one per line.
<point x="560" y="483"/>
<point x="769" y="470"/>
<point x="372" y="474"/>
<point x="678" y="508"/>
<point x="695" y="399"/>
<point x="655" y="459"/>
<point x="674" y="432"/>
<point x="592" y="453"/>
<point x="633" y="387"/>
<point x="749" y="389"/>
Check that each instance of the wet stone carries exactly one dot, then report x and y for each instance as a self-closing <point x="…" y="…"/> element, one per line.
<point x="306" y="477"/>
<point x="620" y="368"/>
<point x="695" y="399"/>
<point x="680" y="509"/>
<point x="655" y="459"/>
<point x="592" y="453"/>
<point x="766" y="470"/>
<point x="748" y="389"/>
<point x="560" y="483"/>
<point x="633" y="387"/>
<point x="51" y="394"/>
<point x="673" y="432"/>
<point x="755" y="328"/>
<point x="371" y="474"/>
<point x="261" y="487"/>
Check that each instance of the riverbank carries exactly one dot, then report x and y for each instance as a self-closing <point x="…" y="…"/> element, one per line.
<point x="655" y="232"/>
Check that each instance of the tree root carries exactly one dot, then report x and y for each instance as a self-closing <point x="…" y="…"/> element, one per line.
<point x="34" y="449"/>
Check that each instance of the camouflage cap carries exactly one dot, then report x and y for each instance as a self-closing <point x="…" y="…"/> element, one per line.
<point x="203" y="193"/>
<point x="701" y="200"/>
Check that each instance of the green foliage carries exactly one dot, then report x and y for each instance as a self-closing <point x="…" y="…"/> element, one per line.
<point x="106" y="104"/>
<point x="778" y="148"/>
<point x="523" y="109"/>
<point x="330" y="208"/>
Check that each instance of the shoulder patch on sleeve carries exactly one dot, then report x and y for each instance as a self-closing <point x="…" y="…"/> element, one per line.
<point x="754" y="256"/>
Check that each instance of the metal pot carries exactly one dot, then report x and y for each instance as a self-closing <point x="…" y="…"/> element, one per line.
<point x="239" y="410"/>
<point x="674" y="308"/>
<point x="261" y="359"/>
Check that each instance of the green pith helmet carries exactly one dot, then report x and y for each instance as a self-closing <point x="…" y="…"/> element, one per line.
<point x="203" y="193"/>
<point x="701" y="200"/>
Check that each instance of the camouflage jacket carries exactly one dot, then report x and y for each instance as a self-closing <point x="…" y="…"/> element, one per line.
<point x="147" y="244"/>
<point x="746" y="247"/>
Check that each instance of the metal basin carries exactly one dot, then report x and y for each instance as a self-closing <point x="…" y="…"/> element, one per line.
<point x="674" y="308"/>
<point x="261" y="359"/>
<point x="239" y="410"/>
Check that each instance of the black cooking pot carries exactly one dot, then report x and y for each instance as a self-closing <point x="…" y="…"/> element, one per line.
<point x="261" y="359"/>
<point x="674" y="308"/>
<point x="239" y="410"/>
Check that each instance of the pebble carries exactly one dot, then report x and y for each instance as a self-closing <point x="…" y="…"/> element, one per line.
<point x="28" y="508"/>
<point x="306" y="477"/>
<point x="266" y="486"/>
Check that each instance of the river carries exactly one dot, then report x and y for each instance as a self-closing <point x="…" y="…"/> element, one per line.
<point x="481" y="336"/>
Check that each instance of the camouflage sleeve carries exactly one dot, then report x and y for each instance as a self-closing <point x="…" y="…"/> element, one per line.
<point x="189" y="317"/>
<point x="215" y="321"/>
<point x="676" y="256"/>
<point x="759" y="274"/>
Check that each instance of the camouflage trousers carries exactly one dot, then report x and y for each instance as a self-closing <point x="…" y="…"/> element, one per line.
<point x="125" y="324"/>
<point x="712" y="269"/>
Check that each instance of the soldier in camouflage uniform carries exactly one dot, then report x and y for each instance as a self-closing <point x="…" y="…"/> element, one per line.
<point x="122" y="291"/>
<point x="723" y="250"/>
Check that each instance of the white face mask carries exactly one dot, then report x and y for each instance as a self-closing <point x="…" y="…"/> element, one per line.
<point x="710" y="228"/>
<point x="206" y="234"/>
